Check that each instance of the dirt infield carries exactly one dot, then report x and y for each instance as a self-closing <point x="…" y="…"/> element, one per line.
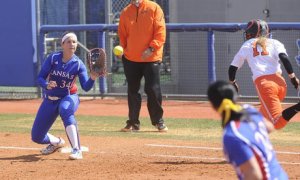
<point x="123" y="158"/>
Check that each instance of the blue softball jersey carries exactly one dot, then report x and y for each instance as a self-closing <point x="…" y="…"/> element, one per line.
<point x="247" y="138"/>
<point x="54" y="69"/>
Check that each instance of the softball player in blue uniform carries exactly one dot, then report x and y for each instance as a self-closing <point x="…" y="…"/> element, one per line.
<point x="246" y="144"/>
<point x="57" y="78"/>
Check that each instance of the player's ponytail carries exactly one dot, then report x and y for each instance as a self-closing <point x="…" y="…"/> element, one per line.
<point x="226" y="108"/>
<point x="262" y="41"/>
<point x="223" y="96"/>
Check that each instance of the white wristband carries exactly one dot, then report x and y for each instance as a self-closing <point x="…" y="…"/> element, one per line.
<point x="292" y="75"/>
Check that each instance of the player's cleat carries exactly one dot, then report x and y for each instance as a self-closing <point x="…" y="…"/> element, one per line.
<point x="130" y="128"/>
<point x="161" y="127"/>
<point x="76" y="154"/>
<point x="53" y="148"/>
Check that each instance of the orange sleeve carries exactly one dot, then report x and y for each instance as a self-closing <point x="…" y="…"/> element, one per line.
<point x="159" y="29"/>
<point x="122" y="31"/>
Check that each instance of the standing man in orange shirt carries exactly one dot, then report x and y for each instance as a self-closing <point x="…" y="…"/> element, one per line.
<point x="142" y="33"/>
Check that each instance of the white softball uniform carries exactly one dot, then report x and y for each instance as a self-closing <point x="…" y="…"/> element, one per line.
<point x="259" y="62"/>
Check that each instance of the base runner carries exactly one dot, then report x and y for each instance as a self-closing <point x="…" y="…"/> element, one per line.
<point x="263" y="55"/>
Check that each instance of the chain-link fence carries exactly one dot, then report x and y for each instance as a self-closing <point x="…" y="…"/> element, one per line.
<point x="184" y="70"/>
<point x="116" y="81"/>
<point x="62" y="12"/>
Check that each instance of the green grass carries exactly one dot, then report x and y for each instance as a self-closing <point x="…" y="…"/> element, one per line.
<point x="203" y="130"/>
<point x="118" y="79"/>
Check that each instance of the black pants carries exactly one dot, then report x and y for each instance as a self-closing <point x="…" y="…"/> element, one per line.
<point x="134" y="72"/>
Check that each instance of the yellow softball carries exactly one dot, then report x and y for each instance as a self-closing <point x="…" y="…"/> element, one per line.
<point x="118" y="50"/>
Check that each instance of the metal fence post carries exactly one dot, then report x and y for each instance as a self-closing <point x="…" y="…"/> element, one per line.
<point x="102" y="80"/>
<point x="211" y="56"/>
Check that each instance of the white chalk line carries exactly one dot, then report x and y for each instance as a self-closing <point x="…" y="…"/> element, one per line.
<point x="187" y="157"/>
<point x="208" y="148"/>
<point x="183" y="147"/>
<point x="19" y="148"/>
<point x="212" y="158"/>
<point x="68" y="149"/>
<point x="289" y="163"/>
<point x="86" y="149"/>
<point x="211" y="148"/>
<point x="62" y="150"/>
<point x="287" y="152"/>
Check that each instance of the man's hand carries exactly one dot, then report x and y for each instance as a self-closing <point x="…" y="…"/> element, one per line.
<point x="147" y="53"/>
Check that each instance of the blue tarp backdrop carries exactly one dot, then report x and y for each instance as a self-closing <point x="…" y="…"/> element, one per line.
<point x="17" y="44"/>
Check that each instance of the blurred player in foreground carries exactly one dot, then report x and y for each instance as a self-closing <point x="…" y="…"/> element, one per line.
<point x="57" y="78"/>
<point x="263" y="55"/>
<point x="246" y="143"/>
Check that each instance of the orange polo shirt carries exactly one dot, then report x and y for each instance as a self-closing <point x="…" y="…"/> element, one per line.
<point x="140" y="28"/>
